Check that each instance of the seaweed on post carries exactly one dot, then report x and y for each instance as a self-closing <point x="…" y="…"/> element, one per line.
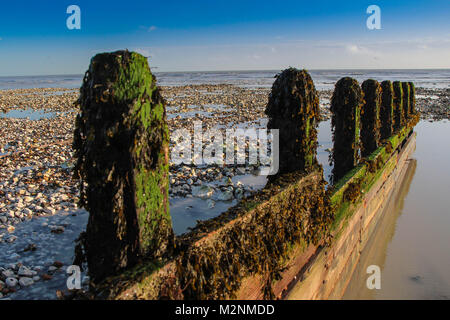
<point x="346" y="106"/>
<point x="406" y="100"/>
<point x="293" y="109"/>
<point x="399" y="118"/>
<point x="386" y="110"/>
<point x="412" y="98"/>
<point x="370" y="117"/>
<point x="121" y="148"/>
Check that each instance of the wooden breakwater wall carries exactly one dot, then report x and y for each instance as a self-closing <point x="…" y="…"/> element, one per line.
<point x="261" y="247"/>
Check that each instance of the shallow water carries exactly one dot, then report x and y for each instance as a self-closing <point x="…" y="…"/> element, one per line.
<point x="28" y="114"/>
<point x="51" y="247"/>
<point x="411" y="248"/>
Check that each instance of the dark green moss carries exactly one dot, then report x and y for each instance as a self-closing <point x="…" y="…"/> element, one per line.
<point x="121" y="147"/>
<point x="293" y="109"/>
<point x="346" y="106"/>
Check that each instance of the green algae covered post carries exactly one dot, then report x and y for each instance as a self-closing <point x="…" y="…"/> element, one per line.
<point x="386" y="109"/>
<point x="399" y="119"/>
<point x="121" y="147"/>
<point x="293" y="109"/>
<point x="412" y="98"/>
<point x="370" y="117"/>
<point x="405" y="100"/>
<point x="346" y="106"/>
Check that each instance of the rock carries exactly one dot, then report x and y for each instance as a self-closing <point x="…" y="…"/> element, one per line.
<point x="47" y="277"/>
<point x="239" y="193"/>
<point x="58" y="264"/>
<point x="25" y="282"/>
<point x="11" y="282"/>
<point x="36" y="278"/>
<point x="225" y="196"/>
<point x="52" y="269"/>
<point x="211" y="204"/>
<point x="30" y="247"/>
<point x="57" y="229"/>
<point x="202" y="192"/>
<point x="50" y="210"/>
<point x="25" y="272"/>
<point x="8" y="273"/>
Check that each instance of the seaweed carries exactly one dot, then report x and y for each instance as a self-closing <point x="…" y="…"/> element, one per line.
<point x="256" y="243"/>
<point x="386" y="110"/>
<point x="399" y="116"/>
<point x="412" y="99"/>
<point x="370" y="117"/>
<point x="293" y="109"/>
<point x="346" y="106"/>
<point x="406" y="100"/>
<point x="121" y="151"/>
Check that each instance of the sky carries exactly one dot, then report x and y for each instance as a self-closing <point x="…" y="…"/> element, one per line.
<point x="209" y="35"/>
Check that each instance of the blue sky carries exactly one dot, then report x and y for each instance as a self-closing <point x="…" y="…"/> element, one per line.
<point x="225" y="35"/>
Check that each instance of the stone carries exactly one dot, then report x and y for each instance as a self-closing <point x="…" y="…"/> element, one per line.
<point x="7" y="273"/>
<point x="202" y="192"/>
<point x="225" y="195"/>
<point x="11" y="282"/>
<point x="25" y="282"/>
<point x="24" y="272"/>
<point x="211" y="204"/>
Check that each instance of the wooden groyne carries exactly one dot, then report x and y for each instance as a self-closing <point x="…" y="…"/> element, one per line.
<point x="296" y="238"/>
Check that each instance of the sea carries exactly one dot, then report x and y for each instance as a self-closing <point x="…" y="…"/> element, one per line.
<point x="323" y="79"/>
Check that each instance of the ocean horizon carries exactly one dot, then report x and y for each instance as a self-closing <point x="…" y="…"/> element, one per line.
<point x="324" y="79"/>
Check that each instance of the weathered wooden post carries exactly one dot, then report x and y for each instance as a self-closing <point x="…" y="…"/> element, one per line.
<point x="405" y="100"/>
<point x="412" y="98"/>
<point x="370" y="117"/>
<point x="346" y="106"/>
<point x="399" y="119"/>
<point x="293" y="109"/>
<point x="386" y="109"/>
<point x="121" y="147"/>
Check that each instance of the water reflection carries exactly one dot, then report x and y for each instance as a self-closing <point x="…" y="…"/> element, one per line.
<point x="415" y="258"/>
<point x="375" y="251"/>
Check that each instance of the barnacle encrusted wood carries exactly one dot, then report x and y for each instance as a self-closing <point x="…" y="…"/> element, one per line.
<point x="386" y="109"/>
<point x="293" y="109"/>
<point x="370" y="117"/>
<point x="121" y="147"/>
<point x="412" y="98"/>
<point x="405" y="100"/>
<point x="399" y="118"/>
<point x="346" y="106"/>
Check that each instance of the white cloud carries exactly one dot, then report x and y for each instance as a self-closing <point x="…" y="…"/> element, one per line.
<point x="151" y="28"/>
